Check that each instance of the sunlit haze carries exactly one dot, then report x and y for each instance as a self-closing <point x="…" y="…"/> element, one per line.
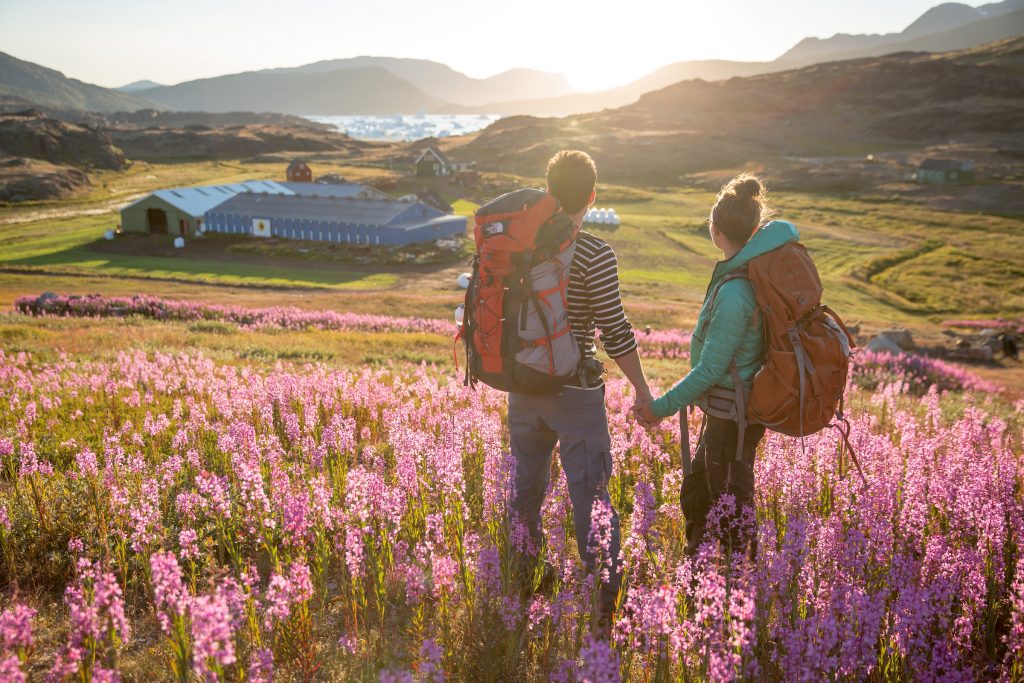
<point x="596" y="44"/>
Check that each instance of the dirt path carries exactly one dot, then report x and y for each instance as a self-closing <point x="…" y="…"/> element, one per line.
<point x="94" y="209"/>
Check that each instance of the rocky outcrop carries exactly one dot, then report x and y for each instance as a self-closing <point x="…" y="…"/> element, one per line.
<point x="229" y="142"/>
<point x="33" y="135"/>
<point x="30" y="179"/>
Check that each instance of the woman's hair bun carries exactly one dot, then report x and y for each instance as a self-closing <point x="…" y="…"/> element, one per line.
<point x="741" y="207"/>
<point x="747" y="188"/>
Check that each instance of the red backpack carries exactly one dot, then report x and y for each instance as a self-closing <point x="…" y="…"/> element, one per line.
<point x="516" y="320"/>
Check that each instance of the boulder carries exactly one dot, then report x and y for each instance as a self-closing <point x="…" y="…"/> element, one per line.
<point x="899" y="336"/>
<point x="884" y="344"/>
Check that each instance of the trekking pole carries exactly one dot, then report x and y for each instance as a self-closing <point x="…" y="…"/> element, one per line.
<point x="684" y="443"/>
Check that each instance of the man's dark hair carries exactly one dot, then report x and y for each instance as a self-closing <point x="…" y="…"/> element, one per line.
<point x="572" y="176"/>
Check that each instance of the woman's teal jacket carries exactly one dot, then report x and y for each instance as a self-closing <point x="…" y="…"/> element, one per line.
<point x="732" y="331"/>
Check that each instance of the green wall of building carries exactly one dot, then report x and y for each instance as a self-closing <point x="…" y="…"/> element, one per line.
<point x="135" y="218"/>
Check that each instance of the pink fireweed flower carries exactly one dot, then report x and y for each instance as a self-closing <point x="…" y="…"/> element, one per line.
<point x="261" y="666"/>
<point x="169" y="593"/>
<point x="16" y="628"/>
<point x="188" y="505"/>
<point x="215" y="491"/>
<point x="643" y="518"/>
<point x="396" y="676"/>
<point x="102" y="675"/>
<point x="511" y="611"/>
<point x="10" y="669"/>
<point x="5" y="520"/>
<point x="538" y="611"/>
<point x="430" y="662"/>
<point x="349" y="643"/>
<point x="284" y="592"/>
<point x="599" y="663"/>
<point x="488" y="570"/>
<point x="296" y="518"/>
<point x="1014" y="638"/>
<point x="30" y="464"/>
<point x="445" y="574"/>
<point x="188" y="540"/>
<point x="85" y="461"/>
<point x="355" y="551"/>
<point x="599" y="540"/>
<point x="212" y="635"/>
<point x="97" y="618"/>
<point x="144" y="517"/>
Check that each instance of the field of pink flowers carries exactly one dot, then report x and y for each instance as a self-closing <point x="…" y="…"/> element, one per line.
<point x="168" y="517"/>
<point x="870" y="369"/>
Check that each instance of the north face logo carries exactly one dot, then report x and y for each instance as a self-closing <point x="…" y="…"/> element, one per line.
<point x="495" y="228"/>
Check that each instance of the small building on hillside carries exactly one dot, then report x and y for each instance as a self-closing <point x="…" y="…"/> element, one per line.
<point x="337" y="220"/>
<point x="433" y="162"/>
<point x="299" y="172"/>
<point x="180" y="210"/>
<point x="945" y="172"/>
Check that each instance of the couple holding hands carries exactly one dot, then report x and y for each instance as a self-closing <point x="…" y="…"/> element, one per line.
<point x="727" y="347"/>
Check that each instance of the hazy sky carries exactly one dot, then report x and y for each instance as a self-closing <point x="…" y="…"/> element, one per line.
<point x="597" y="44"/>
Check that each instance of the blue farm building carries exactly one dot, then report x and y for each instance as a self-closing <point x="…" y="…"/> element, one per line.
<point x="336" y="219"/>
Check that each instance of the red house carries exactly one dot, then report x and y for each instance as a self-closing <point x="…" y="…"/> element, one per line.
<point x="299" y="172"/>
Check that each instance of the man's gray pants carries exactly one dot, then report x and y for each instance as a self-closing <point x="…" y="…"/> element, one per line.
<point x="577" y="421"/>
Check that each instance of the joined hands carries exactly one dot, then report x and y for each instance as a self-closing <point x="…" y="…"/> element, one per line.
<point x="641" y="410"/>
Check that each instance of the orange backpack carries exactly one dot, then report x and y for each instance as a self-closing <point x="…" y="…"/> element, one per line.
<point x="807" y="348"/>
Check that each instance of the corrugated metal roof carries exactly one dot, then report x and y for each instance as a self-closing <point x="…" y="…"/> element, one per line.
<point x="325" y="189"/>
<point x="195" y="201"/>
<point x="371" y="212"/>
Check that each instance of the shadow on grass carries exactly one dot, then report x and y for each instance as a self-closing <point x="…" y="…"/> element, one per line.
<point x="93" y="258"/>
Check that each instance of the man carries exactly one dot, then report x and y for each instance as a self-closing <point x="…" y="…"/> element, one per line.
<point x="575" y="418"/>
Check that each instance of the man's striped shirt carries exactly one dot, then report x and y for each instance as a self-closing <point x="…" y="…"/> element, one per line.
<point x="594" y="299"/>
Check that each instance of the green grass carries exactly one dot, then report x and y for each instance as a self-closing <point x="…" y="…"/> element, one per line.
<point x="60" y="247"/>
<point x="883" y="261"/>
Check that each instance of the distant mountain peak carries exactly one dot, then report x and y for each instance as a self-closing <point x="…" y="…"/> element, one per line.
<point x="944" y="17"/>
<point x="139" y="86"/>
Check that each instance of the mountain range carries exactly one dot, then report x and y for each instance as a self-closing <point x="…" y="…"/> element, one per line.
<point x="386" y="85"/>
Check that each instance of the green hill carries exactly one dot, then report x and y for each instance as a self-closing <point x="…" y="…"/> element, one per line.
<point x="48" y="88"/>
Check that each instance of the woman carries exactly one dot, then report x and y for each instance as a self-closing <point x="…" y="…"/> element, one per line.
<point x="726" y="344"/>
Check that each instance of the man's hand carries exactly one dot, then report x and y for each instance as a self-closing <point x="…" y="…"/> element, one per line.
<point x="644" y="415"/>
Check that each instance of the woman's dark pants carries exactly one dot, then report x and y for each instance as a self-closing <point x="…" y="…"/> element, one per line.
<point x="716" y="471"/>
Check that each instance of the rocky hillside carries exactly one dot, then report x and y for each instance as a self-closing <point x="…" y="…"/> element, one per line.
<point x="33" y="135"/>
<point x="824" y="110"/>
<point x="197" y="141"/>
